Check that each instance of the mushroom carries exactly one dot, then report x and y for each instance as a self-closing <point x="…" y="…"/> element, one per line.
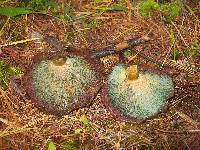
<point x="61" y="83"/>
<point x="135" y="93"/>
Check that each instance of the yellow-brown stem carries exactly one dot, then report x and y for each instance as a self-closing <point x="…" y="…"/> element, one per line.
<point x="121" y="46"/>
<point x="132" y="73"/>
<point x="59" y="61"/>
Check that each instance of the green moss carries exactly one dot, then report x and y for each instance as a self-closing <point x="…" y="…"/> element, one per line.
<point x="71" y="144"/>
<point x="36" y="4"/>
<point x="127" y="53"/>
<point x="148" y="7"/>
<point x="169" y="11"/>
<point x="6" y="72"/>
<point x="192" y="50"/>
<point x="140" y="98"/>
<point x="63" y="85"/>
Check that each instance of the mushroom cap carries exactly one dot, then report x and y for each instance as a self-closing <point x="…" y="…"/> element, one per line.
<point x="133" y="99"/>
<point x="62" y="82"/>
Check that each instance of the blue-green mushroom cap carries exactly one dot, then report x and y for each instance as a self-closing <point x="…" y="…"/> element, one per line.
<point x="140" y="95"/>
<point x="61" y="85"/>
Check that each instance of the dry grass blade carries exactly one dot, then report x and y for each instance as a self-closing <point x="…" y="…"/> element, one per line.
<point x="181" y="66"/>
<point x="6" y="100"/>
<point x="13" y="132"/>
<point x="189" y="119"/>
<point x="5" y="121"/>
<point x="124" y="33"/>
<point x="4" y="26"/>
<point x="179" y="132"/>
<point x="19" y="42"/>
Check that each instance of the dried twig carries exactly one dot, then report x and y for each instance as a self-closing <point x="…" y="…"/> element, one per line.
<point x="188" y="119"/>
<point x="179" y="132"/>
<point x="19" y="42"/>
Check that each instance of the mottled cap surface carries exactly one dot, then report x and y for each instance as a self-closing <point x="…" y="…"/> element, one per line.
<point x="136" y="99"/>
<point x="60" y="84"/>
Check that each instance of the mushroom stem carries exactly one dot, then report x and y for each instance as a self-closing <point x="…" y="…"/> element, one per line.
<point x="59" y="61"/>
<point x="132" y="73"/>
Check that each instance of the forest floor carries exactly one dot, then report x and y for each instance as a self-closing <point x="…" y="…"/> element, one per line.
<point x="25" y="127"/>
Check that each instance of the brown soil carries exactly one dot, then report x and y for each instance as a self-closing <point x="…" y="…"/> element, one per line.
<point x="177" y="128"/>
